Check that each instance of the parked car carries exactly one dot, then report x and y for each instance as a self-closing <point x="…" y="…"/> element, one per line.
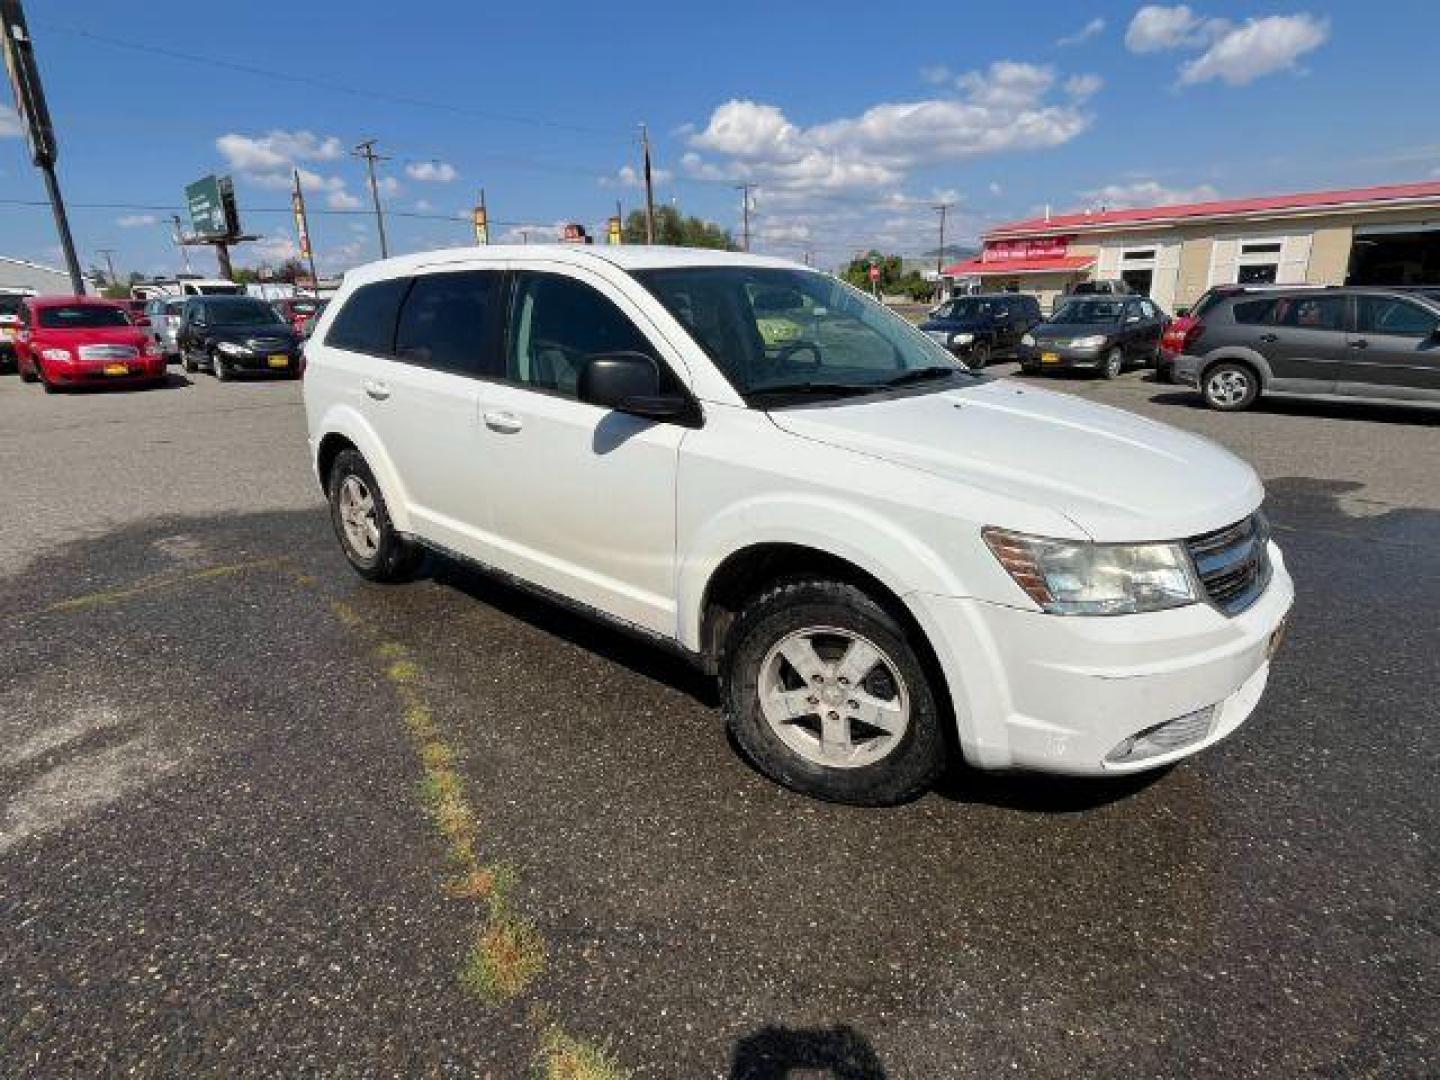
<point x="1358" y="343"/>
<point x="11" y="303"/>
<point x="982" y="327"/>
<point x="1095" y="334"/>
<point x="67" y="341"/>
<point x="235" y="335"/>
<point x="164" y="315"/>
<point x="299" y="311"/>
<point x="1172" y="343"/>
<point x="1102" y="287"/>
<point x="135" y="308"/>
<point x="873" y="548"/>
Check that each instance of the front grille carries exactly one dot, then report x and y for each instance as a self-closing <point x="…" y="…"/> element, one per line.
<point x="275" y="345"/>
<point x="108" y="352"/>
<point x="1234" y="563"/>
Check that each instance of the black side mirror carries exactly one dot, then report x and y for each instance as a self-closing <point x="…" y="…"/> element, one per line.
<point x="629" y="382"/>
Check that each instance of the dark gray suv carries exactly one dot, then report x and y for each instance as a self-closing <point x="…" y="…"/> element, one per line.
<point x="1354" y="343"/>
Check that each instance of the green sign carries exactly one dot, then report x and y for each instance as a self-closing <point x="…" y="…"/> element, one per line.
<point x="207" y="209"/>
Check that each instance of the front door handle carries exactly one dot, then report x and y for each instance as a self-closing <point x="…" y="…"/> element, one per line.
<point x="507" y="423"/>
<point x="1359" y="343"/>
<point x="1268" y="338"/>
<point x="377" y="390"/>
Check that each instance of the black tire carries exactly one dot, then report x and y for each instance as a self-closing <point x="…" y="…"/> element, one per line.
<point x="979" y="355"/>
<point x="395" y="557"/>
<point x="28" y="376"/>
<point x="222" y="373"/>
<point x="187" y="364"/>
<point x="1113" y="364"/>
<point x="1230" y="386"/>
<point x="903" y="773"/>
<point x="1030" y="369"/>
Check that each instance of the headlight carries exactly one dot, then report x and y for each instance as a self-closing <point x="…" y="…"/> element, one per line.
<point x="230" y="348"/>
<point x="962" y="339"/>
<point x="1092" y="342"/>
<point x="55" y="356"/>
<point x="1075" y="577"/>
<point x="1028" y="339"/>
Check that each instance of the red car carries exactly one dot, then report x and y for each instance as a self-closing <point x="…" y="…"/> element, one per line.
<point x="78" y="340"/>
<point x="300" y="311"/>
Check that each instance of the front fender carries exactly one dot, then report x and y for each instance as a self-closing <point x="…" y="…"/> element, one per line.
<point x="875" y="544"/>
<point x="346" y="421"/>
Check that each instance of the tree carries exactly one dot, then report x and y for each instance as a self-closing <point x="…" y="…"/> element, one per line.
<point x="892" y="280"/>
<point x="675" y="230"/>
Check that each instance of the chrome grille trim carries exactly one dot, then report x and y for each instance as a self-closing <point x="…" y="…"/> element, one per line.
<point x="1233" y="563"/>
<point x="109" y="352"/>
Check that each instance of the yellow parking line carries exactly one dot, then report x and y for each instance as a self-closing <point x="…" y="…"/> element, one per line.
<point x="105" y="597"/>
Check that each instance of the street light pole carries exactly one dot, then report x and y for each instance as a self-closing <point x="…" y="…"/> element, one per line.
<point x="940" y="254"/>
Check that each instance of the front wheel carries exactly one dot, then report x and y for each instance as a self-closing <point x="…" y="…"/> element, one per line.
<point x="362" y="522"/>
<point x="1113" y="364"/>
<point x="1230" y="386"/>
<point x="979" y="356"/>
<point x="826" y="695"/>
<point x="217" y="365"/>
<point x="27" y="374"/>
<point x="187" y="363"/>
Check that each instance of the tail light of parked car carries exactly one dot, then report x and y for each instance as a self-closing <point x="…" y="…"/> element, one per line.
<point x="1182" y="334"/>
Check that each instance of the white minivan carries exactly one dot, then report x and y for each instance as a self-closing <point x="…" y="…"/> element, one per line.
<point x="887" y="560"/>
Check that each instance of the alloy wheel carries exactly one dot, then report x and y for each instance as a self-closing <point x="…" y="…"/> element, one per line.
<point x="1228" y="387"/>
<point x="358" y="518"/>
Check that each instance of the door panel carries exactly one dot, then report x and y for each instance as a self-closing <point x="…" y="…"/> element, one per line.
<point x="1304" y="338"/>
<point x="1393" y="350"/>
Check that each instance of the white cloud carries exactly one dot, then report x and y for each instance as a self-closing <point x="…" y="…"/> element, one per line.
<point x="342" y="200"/>
<point x="10" y="126"/>
<point x="1007" y="107"/>
<point x="936" y="74"/>
<point x="1260" y="47"/>
<point x="437" y="172"/>
<point x="136" y="221"/>
<point x="532" y="233"/>
<point x="1082" y="87"/>
<point x="272" y="249"/>
<point x="1147" y="193"/>
<point x="1085" y="33"/>
<point x="277" y="149"/>
<point x="1156" y="28"/>
<point x="627" y="176"/>
<point x="995" y="188"/>
<point x="387" y="185"/>
<point x="424" y="206"/>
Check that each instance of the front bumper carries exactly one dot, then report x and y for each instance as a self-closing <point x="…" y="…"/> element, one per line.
<point x="96" y="372"/>
<point x="255" y="363"/>
<point x="1059" y="694"/>
<point x="1051" y="356"/>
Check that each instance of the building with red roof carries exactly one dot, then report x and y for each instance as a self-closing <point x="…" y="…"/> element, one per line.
<point x="1377" y="235"/>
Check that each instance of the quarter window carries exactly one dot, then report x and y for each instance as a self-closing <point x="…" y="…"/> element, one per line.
<point x="556" y="324"/>
<point x="448" y="321"/>
<point x="1387" y="315"/>
<point x="367" y="321"/>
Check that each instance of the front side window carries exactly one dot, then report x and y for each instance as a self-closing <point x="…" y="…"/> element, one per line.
<point x="82" y="317"/>
<point x="449" y="321"/>
<point x="1387" y="315"/>
<point x="1311" y="312"/>
<point x="366" y="322"/>
<point x="967" y="309"/>
<point x="776" y="330"/>
<point x="556" y="324"/>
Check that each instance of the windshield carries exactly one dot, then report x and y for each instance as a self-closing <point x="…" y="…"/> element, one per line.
<point x="81" y="317"/>
<point x="241" y="313"/>
<point x="11" y="304"/>
<point x="219" y="290"/>
<point x="968" y="309"/>
<point x="1089" y="312"/>
<point x="775" y="329"/>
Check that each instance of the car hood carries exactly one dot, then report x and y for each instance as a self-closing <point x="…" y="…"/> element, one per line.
<point x="241" y="333"/>
<point x="1116" y="475"/>
<point x="951" y="324"/>
<point x="100" y="335"/>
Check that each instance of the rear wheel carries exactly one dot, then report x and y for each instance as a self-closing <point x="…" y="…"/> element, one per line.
<point x="1230" y="386"/>
<point x="826" y="695"/>
<point x="362" y="522"/>
<point x="187" y="363"/>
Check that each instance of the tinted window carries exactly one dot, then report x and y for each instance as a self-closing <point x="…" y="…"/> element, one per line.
<point x="448" y="321"/>
<point x="966" y="310"/>
<point x="1253" y="312"/>
<point x="1089" y="311"/>
<point x="556" y="323"/>
<point x="1149" y="310"/>
<point x="1386" y="315"/>
<point x="82" y="317"/>
<point x="1310" y="312"/>
<point x="367" y="321"/>
<point x="11" y="304"/>
<point x="239" y="311"/>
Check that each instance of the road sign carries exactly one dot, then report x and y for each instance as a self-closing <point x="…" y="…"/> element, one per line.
<point x="874" y="272"/>
<point x="482" y="226"/>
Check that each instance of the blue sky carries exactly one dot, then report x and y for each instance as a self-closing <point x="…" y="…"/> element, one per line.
<point x="851" y="119"/>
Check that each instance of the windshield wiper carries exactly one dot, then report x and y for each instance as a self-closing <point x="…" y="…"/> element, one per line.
<point x="811" y="387"/>
<point x="924" y="374"/>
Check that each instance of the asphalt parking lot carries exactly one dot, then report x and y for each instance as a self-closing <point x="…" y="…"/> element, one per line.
<point x="215" y="854"/>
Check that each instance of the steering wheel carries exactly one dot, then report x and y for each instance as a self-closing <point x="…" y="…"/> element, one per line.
<point x="786" y="352"/>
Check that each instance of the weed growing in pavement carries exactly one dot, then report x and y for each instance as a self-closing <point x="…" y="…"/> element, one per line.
<point x="563" y="1057"/>
<point x="507" y="954"/>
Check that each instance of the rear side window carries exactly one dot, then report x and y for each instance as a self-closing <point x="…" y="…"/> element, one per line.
<point x="449" y="321"/>
<point x="1387" y="315"/>
<point x="1311" y="312"/>
<point x="367" y="321"/>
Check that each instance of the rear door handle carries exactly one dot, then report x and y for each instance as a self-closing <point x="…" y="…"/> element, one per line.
<point x="1359" y="343"/>
<point x="507" y="423"/>
<point x="1267" y="338"/>
<point x="377" y="390"/>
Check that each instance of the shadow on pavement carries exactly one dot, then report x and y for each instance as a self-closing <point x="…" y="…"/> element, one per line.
<point x="774" y="1053"/>
<point x="1315" y="408"/>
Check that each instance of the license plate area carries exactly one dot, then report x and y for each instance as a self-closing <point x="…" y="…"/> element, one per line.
<point x="1050" y="358"/>
<point x="116" y="369"/>
<point x="279" y="361"/>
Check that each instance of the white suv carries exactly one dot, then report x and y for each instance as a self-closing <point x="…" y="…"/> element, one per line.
<point x="881" y="554"/>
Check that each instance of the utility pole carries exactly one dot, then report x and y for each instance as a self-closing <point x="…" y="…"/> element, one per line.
<point x="366" y="150"/>
<point x="744" y="190"/>
<point x="649" y="187"/>
<point x="35" y="118"/>
<point x="940" y="254"/>
<point x="109" y="263"/>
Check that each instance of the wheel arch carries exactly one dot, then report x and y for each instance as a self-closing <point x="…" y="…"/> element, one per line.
<point x="1248" y="357"/>
<point x="346" y="428"/>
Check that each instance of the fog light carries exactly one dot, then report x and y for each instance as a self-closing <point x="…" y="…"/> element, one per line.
<point x="1164" y="737"/>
